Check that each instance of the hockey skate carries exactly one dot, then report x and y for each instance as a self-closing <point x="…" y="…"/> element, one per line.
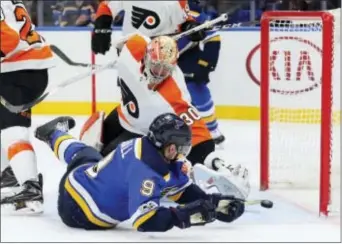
<point x="28" y="200"/>
<point x="9" y="184"/>
<point x="44" y="132"/>
<point x="218" y="138"/>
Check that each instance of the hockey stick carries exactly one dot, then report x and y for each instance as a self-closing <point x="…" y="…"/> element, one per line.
<point x="23" y="107"/>
<point x="70" y="62"/>
<point x="206" y="25"/>
<point x="67" y="60"/>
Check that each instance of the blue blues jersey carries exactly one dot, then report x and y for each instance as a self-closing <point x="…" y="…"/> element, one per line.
<point x="199" y="57"/>
<point x="128" y="183"/>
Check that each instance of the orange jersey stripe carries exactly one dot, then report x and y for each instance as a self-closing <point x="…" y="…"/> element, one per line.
<point x="173" y="95"/>
<point x="32" y="54"/>
<point x="122" y="116"/>
<point x="18" y="148"/>
<point x="9" y="38"/>
<point x="103" y="9"/>
<point x="137" y="46"/>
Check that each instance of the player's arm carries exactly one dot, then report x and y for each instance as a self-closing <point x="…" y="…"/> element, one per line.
<point x="181" y="16"/>
<point x="149" y="216"/>
<point x="105" y="14"/>
<point x="226" y="210"/>
<point x="208" y="58"/>
<point x="211" y="50"/>
<point x="8" y="36"/>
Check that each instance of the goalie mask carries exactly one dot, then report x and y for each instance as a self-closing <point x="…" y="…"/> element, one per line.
<point x="160" y="59"/>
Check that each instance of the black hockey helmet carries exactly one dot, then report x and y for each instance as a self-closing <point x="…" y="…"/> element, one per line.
<point x="169" y="129"/>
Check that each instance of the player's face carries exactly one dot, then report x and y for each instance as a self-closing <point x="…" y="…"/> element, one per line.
<point x="170" y="152"/>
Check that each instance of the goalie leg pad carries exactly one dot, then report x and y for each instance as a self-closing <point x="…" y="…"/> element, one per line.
<point x="91" y="132"/>
<point x="230" y="177"/>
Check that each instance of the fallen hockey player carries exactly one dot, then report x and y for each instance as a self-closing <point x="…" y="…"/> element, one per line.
<point x="98" y="193"/>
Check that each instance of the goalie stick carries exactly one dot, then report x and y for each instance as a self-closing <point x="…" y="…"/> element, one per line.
<point x="97" y="69"/>
<point x="67" y="60"/>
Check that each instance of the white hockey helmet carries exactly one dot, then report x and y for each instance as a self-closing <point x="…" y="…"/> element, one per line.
<point x="160" y="59"/>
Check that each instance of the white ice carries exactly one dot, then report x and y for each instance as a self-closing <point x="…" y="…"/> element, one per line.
<point x="288" y="221"/>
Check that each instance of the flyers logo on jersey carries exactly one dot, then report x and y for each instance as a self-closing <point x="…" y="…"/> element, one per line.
<point x="147" y="18"/>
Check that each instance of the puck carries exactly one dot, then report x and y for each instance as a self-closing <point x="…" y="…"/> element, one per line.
<point x="266" y="204"/>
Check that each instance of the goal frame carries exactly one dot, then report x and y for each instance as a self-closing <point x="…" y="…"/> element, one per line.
<point x="326" y="98"/>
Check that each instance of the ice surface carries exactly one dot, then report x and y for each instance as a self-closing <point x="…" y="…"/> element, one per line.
<point x="288" y="221"/>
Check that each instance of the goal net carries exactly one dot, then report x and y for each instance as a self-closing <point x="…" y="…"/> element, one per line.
<point x="300" y="108"/>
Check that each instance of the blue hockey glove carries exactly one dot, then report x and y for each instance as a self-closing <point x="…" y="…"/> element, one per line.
<point x="198" y="212"/>
<point x="228" y="208"/>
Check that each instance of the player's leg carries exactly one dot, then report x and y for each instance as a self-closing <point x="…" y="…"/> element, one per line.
<point x="199" y="152"/>
<point x="75" y="154"/>
<point x="10" y="184"/>
<point x="202" y="100"/>
<point x="105" y="134"/>
<point x="21" y="87"/>
<point x="114" y="133"/>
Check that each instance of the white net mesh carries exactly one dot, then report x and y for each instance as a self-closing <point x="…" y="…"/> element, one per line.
<point x="295" y="76"/>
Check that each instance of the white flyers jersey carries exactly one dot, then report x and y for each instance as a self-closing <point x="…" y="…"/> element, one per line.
<point x="21" y="47"/>
<point x="150" y="18"/>
<point x="141" y="105"/>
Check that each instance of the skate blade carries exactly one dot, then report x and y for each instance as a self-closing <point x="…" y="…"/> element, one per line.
<point x="10" y="191"/>
<point x="26" y="208"/>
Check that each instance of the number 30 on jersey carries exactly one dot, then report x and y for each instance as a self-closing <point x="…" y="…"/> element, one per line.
<point x="190" y="116"/>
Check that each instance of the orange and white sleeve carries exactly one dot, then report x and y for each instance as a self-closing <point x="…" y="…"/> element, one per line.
<point x="172" y="93"/>
<point x="9" y="37"/>
<point x="109" y="8"/>
<point x="136" y="45"/>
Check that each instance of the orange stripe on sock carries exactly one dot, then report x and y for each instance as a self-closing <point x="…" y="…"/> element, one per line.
<point x="18" y="148"/>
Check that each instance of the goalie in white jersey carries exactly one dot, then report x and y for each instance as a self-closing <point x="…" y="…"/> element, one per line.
<point x="151" y="18"/>
<point x="25" y="58"/>
<point x="152" y="84"/>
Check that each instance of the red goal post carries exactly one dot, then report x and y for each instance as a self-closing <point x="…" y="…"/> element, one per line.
<point x="326" y="21"/>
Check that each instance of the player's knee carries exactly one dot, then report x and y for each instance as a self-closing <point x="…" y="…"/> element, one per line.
<point x="199" y="152"/>
<point x="9" y="119"/>
<point x="84" y="156"/>
<point x="12" y="136"/>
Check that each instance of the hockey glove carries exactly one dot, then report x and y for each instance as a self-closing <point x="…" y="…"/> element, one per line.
<point x="102" y="33"/>
<point x="227" y="209"/>
<point x="198" y="212"/>
<point x="197" y="36"/>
